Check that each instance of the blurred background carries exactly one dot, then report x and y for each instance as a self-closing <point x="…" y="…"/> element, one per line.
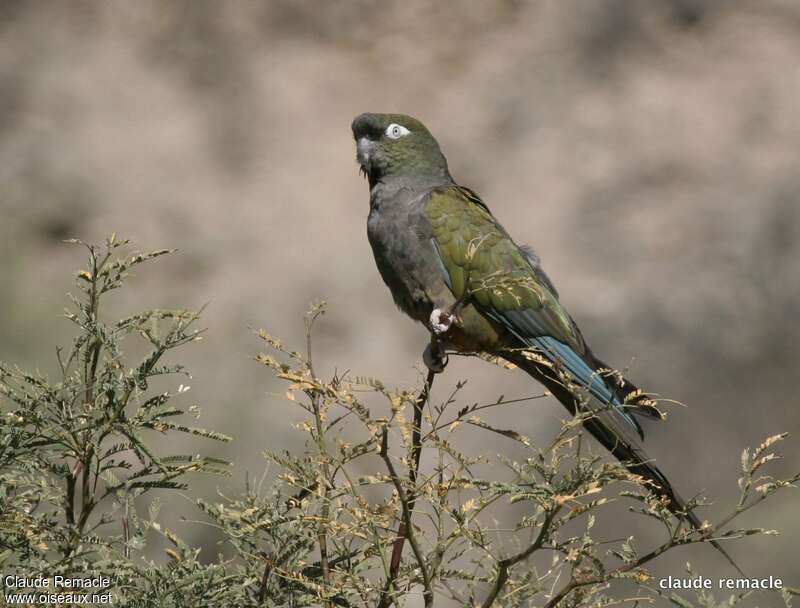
<point x="648" y="151"/>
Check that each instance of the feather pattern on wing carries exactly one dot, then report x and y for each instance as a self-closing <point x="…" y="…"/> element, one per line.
<point x="481" y="263"/>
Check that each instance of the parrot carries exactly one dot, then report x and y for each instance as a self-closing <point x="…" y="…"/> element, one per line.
<point x="450" y="265"/>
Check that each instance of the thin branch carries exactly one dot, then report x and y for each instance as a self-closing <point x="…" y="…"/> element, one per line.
<point x="416" y="454"/>
<point x="314" y="395"/>
<point x="427" y="593"/>
<point x="583" y="581"/>
<point x="505" y="564"/>
<point x="476" y="408"/>
<point x="262" y="591"/>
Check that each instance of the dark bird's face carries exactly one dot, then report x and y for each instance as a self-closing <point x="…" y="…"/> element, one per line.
<point x="397" y="146"/>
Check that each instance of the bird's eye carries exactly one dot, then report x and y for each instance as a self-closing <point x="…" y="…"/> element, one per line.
<point x="395" y="131"/>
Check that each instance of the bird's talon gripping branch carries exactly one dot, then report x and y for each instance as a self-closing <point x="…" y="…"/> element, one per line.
<point x="433" y="359"/>
<point x="441" y="321"/>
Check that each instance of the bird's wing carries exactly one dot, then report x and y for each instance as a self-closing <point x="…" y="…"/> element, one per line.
<point x="483" y="265"/>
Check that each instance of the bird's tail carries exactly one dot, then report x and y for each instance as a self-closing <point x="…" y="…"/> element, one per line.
<point x="612" y="428"/>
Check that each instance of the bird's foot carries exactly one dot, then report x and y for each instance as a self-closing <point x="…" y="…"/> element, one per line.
<point x="441" y="321"/>
<point x="433" y="359"/>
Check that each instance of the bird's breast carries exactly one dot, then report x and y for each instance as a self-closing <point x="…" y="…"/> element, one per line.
<point x="400" y="255"/>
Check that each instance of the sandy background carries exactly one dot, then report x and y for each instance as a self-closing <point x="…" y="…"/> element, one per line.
<point x="649" y="151"/>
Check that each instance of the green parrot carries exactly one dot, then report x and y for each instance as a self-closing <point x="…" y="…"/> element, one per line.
<point x="450" y="265"/>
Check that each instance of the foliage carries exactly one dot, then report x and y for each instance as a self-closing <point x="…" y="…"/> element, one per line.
<point x="352" y="519"/>
<point x="75" y="454"/>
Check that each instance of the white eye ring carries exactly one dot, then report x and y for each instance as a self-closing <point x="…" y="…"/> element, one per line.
<point x="395" y="131"/>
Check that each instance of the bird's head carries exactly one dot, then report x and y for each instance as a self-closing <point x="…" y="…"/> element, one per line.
<point x="397" y="146"/>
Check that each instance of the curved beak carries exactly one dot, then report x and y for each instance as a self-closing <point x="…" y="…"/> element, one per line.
<point x="365" y="148"/>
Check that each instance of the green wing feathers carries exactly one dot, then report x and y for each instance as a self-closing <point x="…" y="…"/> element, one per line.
<point x="485" y="265"/>
<point x="482" y="264"/>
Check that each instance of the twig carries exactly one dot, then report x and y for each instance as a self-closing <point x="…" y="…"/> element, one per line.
<point x="476" y="408"/>
<point x="262" y="592"/>
<point x="314" y="395"/>
<point x="427" y="592"/>
<point x="126" y="534"/>
<point x="505" y="564"/>
<point x="583" y="581"/>
<point x="416" y="453"/>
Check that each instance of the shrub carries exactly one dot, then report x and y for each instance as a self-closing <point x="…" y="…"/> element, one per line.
<point x="77" y="453"/>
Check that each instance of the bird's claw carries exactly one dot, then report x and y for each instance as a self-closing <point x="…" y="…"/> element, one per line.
<point x="433" y="359"/>
<point x="441" y="321"/>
